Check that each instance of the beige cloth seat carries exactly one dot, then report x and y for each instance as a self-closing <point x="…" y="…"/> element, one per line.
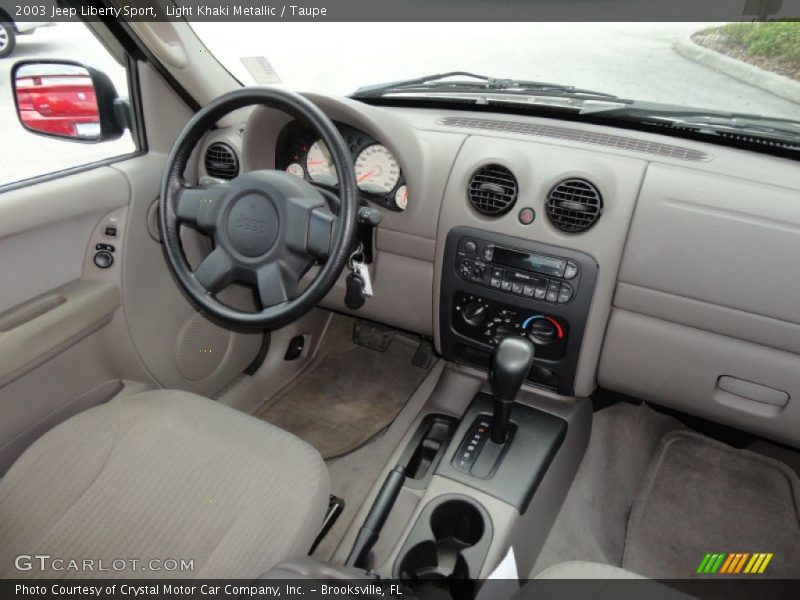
<point x="162" y="475"/>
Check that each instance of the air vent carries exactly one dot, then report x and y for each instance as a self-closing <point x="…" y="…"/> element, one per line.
<point x="493" y="190"/>
<point x="221" y="161"/>
<point x="574" y="205"/>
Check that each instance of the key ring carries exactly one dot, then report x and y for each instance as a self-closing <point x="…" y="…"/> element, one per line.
<point x="359" y="251"/>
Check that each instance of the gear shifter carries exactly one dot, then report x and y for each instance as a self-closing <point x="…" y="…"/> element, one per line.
<point x="511" y="361"/>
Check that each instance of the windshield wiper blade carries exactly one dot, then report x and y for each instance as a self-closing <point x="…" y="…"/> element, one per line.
<point x="706" y="120"/>
<point x="438" y="83"/>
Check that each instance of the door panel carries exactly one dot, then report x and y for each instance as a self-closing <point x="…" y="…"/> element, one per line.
<point x="72" y="335"/>
<point x="44" y="229"/>
<point x="179" y="347"/>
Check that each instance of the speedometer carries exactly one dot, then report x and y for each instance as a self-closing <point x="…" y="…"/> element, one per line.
<point x="377" y="170"/>
<point x="319" y="164"/>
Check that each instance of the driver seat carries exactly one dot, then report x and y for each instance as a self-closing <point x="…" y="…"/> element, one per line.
<point x="157" y="476"/>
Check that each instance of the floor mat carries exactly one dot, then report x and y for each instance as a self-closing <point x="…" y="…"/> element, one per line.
<point x="701" y="496"/>
<point x="594" y="517"/>
<point x="348" y="394"/>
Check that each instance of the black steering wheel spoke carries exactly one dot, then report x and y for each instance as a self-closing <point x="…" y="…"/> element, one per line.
<point x="320" y="232"/>
<point x="199" y="207"/>
<point x="269" y="227"/>
<point x="274" y="285"/>
<point x="216" y="271"/>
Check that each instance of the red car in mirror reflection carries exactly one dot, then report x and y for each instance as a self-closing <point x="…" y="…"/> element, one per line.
<point x="60" y="104"/>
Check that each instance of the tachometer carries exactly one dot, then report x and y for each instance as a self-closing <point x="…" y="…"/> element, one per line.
<point x="401" y="197"/>
<point x="319" y="164"/>
<point x="377" y="169"/>
<point x="296" y="169"/>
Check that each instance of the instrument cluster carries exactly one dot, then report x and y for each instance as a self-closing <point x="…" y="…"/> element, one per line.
<point x="380" y="179"/>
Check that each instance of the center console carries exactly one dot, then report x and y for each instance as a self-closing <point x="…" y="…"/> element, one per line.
<point x="495" y="286"/>
<point x="471" y="482"/>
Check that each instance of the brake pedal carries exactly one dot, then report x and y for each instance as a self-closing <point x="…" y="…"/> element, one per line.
<point x="423" y="357"/>
<point x="372" y="336"/>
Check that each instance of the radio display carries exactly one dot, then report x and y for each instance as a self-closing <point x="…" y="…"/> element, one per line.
<point x="530" y="262"/>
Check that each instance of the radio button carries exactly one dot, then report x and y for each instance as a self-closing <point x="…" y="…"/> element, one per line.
<point x="495" y="283"/>
<point x="516" y="288"/>
<point x="528" y="290"/>
<point x="506" y="285"/>
<point x="470" y="247"/>
<point x="552" y="296"/>
<point x="497" y="272"/>
<point x="571" y="270"/>
<point x="540" y="293"/>
<point x="565" y="295"/>
<point x="465" y="268"/>
<point x="554" y="286"/>
<point x="488" y="252"/>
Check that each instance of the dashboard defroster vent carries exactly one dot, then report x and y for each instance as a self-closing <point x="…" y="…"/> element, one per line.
<point x="574" y="205"/>
<point x="493" y="190"/>
<point x="581" y="136"/>
<point x="221" y="161"/>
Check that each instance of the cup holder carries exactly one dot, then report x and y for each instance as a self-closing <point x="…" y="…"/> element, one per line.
<point x="446" y="549"/>
<point x="457" y="522"/>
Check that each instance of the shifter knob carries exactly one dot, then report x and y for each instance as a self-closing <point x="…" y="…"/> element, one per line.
<point x="511" y="362"/>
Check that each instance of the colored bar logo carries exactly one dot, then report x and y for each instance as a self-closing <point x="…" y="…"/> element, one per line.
<point x="722" y="563"/>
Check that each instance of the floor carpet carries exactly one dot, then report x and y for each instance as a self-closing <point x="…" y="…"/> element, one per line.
<point x="348" y="394"/>
<point x="701" y="496"/>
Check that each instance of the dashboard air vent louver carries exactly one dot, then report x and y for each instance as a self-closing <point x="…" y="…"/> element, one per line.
<point x="493" y="190"/>
<point x="574" y="205"/>
<point x="221" y="161"/>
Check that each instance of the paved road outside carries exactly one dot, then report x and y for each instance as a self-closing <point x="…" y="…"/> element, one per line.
<point x="634" y="60"/>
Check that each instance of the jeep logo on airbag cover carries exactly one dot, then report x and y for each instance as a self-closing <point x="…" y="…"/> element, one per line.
<point x="253" y="225"/>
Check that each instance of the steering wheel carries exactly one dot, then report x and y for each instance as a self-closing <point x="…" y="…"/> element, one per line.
<point x="269" y="227"/>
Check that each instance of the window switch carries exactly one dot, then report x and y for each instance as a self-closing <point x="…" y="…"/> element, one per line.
<point x="111" y="231"/>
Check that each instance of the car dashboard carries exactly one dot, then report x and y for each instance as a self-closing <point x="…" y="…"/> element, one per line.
<point x="651" y="265"/>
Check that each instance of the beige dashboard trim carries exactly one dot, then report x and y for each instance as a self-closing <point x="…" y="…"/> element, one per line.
<point x="37" y="330"/>
<point x="405" y="244"/>
<point x="715" y="318"/>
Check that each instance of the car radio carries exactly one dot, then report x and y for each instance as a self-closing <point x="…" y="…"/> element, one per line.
<point x="494" y="286"/>
<point x="538" y="276"/>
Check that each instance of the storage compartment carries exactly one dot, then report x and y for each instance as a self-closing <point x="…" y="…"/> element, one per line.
<point x="719" y="378"/>
<point x="426" y="448"/>
<point x="446" y="549"/>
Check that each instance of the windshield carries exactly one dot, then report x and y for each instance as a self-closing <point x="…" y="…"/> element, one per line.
<point x="654" y="62"/>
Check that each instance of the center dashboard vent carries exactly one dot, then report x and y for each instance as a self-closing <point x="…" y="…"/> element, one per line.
<point x="221" y="161"/>
<point x="574" y="205"/>
<point x="493" y="190"/>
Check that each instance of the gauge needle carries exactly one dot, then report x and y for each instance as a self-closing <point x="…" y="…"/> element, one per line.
<point x="314" y="162"/>
<point x="364" y="176"/>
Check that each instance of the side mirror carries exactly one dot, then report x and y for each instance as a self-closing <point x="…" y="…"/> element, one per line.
<point x="69" y="101"/>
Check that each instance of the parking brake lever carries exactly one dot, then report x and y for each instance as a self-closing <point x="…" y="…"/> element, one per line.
<point x="371" y="529"/>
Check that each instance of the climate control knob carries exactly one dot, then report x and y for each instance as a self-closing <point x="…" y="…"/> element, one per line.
<point x="474" y="313"/>
<point x="542" y="331"/>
